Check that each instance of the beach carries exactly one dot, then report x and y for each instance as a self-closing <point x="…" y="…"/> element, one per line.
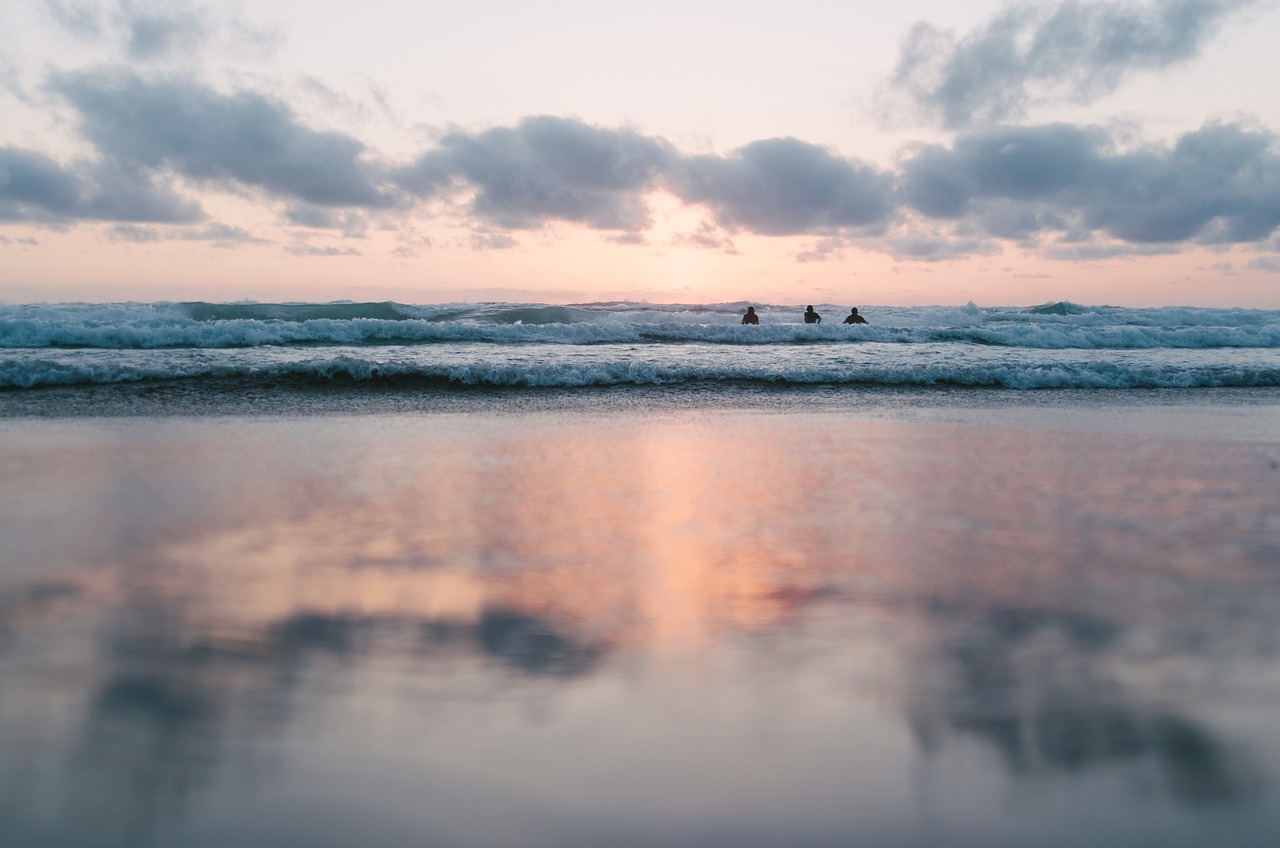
<point x="673" y="616"/>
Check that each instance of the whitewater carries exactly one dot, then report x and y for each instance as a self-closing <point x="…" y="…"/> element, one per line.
<point x="627" y="344"/>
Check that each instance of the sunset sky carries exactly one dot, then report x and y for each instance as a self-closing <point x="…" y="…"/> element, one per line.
<point x="919" y="152"/>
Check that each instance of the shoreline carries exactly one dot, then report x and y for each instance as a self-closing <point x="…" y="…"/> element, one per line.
<point x="247" y="398"/>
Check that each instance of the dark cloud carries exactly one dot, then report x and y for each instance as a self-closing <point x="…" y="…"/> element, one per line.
<point x="543" y="169"/>
<point x="783" y="186"/>
<point x="1073" y="51"/>
<point x="242" y="138"/>
<point x="1219" y="184"/>
<point x="35" y="188"/>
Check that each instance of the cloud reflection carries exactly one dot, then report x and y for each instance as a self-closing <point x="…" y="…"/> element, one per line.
<point x="254" y="593"/>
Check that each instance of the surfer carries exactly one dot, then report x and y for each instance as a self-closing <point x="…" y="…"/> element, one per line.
<point x="811" y="317"/>
<point x="751" y="317"/>
<point x="854" y="318"/>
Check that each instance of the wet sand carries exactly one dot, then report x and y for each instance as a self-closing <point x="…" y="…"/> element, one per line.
<point x="909" y="623"/>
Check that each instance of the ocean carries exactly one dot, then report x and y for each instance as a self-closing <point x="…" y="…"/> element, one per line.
<point x="629" y="574"/>
<point x="620" y="345"/>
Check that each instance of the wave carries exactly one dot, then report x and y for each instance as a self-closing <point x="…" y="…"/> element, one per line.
<point x="620" y="371"/>
<point x="247" y="325"/>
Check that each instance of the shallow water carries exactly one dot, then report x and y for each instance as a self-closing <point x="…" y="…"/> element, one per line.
<point x="601" y="624"/>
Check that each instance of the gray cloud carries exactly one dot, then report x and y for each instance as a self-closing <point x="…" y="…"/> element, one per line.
<point x="546" y="168"/>
<point x="156" y="31"/>
<point x="83" y="20"/>
<point x="243" y="138"/>
<point x="709" y="237"/>
<point x="304" y="249"/>
<point x="124" y="193"/>
<point x="923" y="247"/>
<point x="557" y="169"/>
<point x="485" y="239"/>
<point x="35" y="188"/>
<point x="352" y="223"/>
<point x="1217" y="185"/>
<point x="1071" y="51"/>
<point x="783" y="186"/>
<point x="222" y="235"/>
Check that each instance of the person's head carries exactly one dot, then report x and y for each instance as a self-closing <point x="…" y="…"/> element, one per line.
<point x="751" y="310"/>
<point x="853" y="311"/>
<point x="809" y="308"/>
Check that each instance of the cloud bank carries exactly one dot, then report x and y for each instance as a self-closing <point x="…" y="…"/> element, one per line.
<point x="156" y="142"/>
<point x="1217" y="185"/>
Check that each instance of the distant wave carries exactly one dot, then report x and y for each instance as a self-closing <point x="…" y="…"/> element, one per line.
<point x="240" y="325"/>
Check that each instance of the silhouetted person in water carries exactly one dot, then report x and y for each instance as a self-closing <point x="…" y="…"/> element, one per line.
<point x="751" y="317"/>
<point x="854" y="318"/>
<point x="811" y="317"/>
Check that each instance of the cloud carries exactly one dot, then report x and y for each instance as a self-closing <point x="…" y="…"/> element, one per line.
<point x="303" y="249"/>
<point x="35" y="188"/>
<point x="823" y="250"/>
<point x="545" y="169"/>
<point x="784" y="186"/>
<point x="84" y="20"/>
<point x="484" y="238"/>
<point x="708" y="236"/>
<point x="156" y="31"/>
<point x="352" y="223"/>
<point x="633" y="239"/>
<point x="1217" y="185"/>
<point x="221" y="235"/>
<point x="1069" y="51"/>
<point x="124" y="193"/>
<point x="560" y="169"/>
<point x="925" y="247"/>
<point x="243" y="137"/>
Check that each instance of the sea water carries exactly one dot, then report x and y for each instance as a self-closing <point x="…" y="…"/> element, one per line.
<point x="634" y="575"/>
<point x="1059" y="345"/>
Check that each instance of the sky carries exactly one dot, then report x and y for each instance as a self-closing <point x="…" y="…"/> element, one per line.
<point x="911" y="153"/>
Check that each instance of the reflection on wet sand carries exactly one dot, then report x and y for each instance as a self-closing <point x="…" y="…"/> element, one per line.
<point x="240" y="599"/>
